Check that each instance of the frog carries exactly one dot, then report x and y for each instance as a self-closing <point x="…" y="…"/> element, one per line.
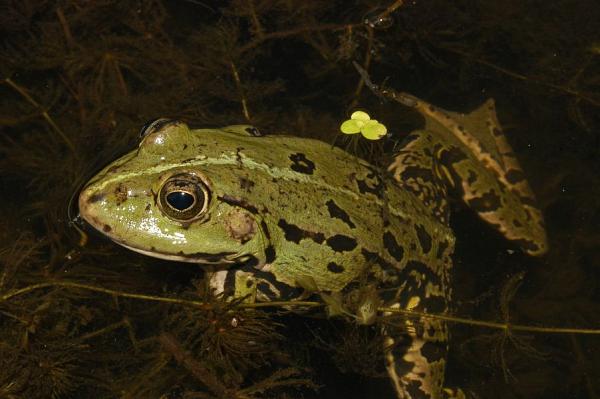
<point x="279" y="218"/>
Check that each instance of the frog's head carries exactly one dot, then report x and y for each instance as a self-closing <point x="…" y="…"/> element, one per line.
<point x="160" y="201"/>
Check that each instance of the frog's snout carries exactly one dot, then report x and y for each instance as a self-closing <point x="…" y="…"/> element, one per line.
<point x="89" y="201"/>
<point x="87" y="198"/>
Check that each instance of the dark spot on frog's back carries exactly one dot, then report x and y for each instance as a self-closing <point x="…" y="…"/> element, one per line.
<point x="423" y="237"/>
<point x="292" y="232"/>
<point x="334" y="267"/>
<point x="301" y="164"/>
<point x="270" y="254"/>
<point x="336" y="212"/>
<point x="416" y="272"/>
<point x="296" y="234"/>
<point x="371" y="184"/>
<point x="374" y="257"/>
<point x="391" y="245"/>
<point x="106" y="228"/>
<point x="341" y="243"/>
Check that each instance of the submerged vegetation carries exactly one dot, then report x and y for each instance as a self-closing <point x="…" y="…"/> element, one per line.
<point x="79" y="79"/>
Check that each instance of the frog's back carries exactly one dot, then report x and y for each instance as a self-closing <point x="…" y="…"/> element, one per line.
<point x="331" y="215"/>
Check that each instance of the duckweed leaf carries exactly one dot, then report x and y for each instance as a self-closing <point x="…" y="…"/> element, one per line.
<point x="361" y="122"/>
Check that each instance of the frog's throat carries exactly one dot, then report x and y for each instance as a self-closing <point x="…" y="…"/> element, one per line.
<point x="221" y="259"/>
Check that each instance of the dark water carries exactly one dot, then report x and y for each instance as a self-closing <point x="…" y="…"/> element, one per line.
<point x="81" y="78"/>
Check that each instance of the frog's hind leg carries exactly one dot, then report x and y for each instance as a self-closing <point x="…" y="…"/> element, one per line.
<point x="472" y="158"/>
<point x="410" y="372"/>
<point x="415" y="359"/>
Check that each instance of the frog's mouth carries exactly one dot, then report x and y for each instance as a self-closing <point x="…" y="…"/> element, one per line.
<point x="91" y="223"/>
<point x="216" y="259"/>
<point x="204" y="258"/>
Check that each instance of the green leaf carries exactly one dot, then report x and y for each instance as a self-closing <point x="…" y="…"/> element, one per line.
<point x="361" y="122"/>
<point x="373" y="130"/>
<point x="360" y="116"/>
<point x="350" y="127"/>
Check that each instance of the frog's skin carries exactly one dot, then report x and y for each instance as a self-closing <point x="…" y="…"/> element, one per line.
<point x="271" y="216"/>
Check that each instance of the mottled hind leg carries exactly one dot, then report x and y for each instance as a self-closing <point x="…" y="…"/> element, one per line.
<point x="415" y="348"/>
<point x="416" y="368"/>
<point x="415" y="358"/>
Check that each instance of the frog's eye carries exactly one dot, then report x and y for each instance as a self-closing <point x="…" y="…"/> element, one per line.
<point x="184" y="197"/>
<point x="155" y="125"/>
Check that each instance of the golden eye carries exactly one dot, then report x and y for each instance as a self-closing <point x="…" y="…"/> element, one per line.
<point x="184" y="197"/>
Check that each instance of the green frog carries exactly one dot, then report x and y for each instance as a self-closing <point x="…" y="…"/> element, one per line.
<point x="277" y="218"/>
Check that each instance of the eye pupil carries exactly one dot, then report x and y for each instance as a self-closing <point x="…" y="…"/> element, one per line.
<point x="180" y="200"/>
<point x="184" y="198"/>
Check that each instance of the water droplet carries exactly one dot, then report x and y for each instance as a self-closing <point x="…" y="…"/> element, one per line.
<point x="376" y="20"/>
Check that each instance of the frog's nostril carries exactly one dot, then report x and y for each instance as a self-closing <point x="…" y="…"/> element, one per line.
<point x="95" y="198"/>
<point x="89" y="200"/>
